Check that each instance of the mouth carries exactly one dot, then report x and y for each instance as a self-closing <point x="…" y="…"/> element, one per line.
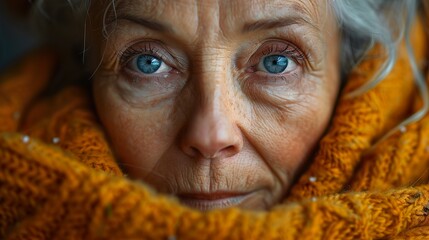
<point x="215" y="200"/>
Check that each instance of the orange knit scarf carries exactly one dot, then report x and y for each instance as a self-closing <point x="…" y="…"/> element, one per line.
<point x="59" y="179"/>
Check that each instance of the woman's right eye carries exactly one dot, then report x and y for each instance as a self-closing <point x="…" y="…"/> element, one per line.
<point x="148" y="64"/>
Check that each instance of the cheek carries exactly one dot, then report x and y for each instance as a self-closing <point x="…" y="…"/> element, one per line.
<point x="138" y="136"/>
<point x="290" y="136"/>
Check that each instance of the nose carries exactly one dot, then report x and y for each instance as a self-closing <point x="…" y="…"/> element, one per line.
<point x="211" y="132"/>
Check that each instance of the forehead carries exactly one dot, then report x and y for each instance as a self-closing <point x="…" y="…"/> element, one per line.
<point x="194" y="16"/>
<point x="157" y="7"/>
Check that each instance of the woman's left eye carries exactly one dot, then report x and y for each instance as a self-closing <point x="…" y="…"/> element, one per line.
<point x="276" y="64"/>
<point x="148" y="64"/>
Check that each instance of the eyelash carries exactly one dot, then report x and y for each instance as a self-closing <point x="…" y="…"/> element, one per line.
<point x="287" y="49"/>
<point x="131" y="52"/>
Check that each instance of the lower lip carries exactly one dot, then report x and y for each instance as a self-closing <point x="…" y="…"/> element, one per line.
<point x="210" y="204"/>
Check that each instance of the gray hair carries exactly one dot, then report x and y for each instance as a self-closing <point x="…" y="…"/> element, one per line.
<point x="362" y="23"/>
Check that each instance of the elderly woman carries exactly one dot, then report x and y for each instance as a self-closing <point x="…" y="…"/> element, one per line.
<point x="215" y="120"/>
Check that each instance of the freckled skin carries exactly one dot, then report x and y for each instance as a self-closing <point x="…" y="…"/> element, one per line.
<point x="214" y="122"/>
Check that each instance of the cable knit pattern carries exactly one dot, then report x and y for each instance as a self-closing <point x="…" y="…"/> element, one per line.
<point x="359" y="122"/>
<point x="59" y="178"/>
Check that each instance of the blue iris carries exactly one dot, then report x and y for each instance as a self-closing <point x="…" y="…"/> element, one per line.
<point x="148" y="64"/>
<point x="275" y="63"/>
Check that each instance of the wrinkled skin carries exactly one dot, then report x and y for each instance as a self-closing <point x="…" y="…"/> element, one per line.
<point x="212" y="126"/>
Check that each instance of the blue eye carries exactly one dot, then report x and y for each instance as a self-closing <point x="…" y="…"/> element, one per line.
<point x="275" y="63"/>
<point x="148" y="64"/>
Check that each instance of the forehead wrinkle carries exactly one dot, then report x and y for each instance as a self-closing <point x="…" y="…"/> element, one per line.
<point x="220" y="22"/>
<point x="272" y="14"/>
<point x="208" y="23"/>
<point x="148" y="8"/>
<point x="309" y="13"/>
<point x="160" y="15"/>
<point x="317" y="12"/>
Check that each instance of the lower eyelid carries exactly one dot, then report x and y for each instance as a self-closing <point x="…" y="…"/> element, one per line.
<point x="295" y="73"/>
<point x="138" y="79"/>
<point x="264" y="89"/>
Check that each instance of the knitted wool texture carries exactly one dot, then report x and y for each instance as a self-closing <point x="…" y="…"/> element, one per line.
<point x="59" y="178"/>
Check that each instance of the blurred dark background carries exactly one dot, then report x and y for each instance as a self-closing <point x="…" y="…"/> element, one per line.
<point x="16" y="36"/>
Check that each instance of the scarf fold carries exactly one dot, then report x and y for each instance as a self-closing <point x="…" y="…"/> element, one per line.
<point x="345" y="160"/>
<point x="59" y="178"/>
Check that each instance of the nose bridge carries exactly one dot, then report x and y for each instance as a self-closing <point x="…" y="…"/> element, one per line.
<point x="212" y="81"/>
<point x="212" y="116"/>
<point x="213" y="110"/>
<point x="214" y="96"/>
<point x="211" y="131"/>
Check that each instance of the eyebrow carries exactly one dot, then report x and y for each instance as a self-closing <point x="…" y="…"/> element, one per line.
<point x="148" y="23"/>
<point x="262" y="24"/>
<point x="266" y="24"/>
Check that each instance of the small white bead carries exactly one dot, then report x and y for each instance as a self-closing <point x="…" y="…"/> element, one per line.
<point x="313" y="199"/>
<point x="166" y="76"/>
<point x="403" y="129"/>
<point x="25" y="139"/>
<point x="312" y="179"/>
<point x="55" y="140"/>
<point x="172" y="238"/>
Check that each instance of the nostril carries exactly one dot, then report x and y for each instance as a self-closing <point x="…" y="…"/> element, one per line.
<point x="223" y="153"/>
<point x="228" y="151"/>
<point x="195" y="152"/>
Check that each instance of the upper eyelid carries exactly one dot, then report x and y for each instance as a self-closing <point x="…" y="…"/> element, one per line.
<point x="132" y="51"/>
<point x="164" y="52"/>
<point x="298" y="55"/>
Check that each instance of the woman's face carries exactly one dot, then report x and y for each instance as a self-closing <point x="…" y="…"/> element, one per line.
<point x="218" y="102"/>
